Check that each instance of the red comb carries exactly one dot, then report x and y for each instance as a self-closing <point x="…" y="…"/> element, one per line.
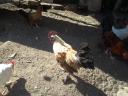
<point x="12" y="62"/>
<point x="52" y="33"/>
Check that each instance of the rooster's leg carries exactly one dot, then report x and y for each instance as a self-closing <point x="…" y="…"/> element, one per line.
<point x="7" y="87"/>
<point x="1" y="94"/>
<point x="36" y="25"/>
<point x="67" y="78"/>
<point x="8" y="84"/>
<point x="4" y="93"/>
<point x="109" y="53"/>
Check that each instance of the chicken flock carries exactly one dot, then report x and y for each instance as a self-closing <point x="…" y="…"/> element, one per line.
<point x="67" y="57"/>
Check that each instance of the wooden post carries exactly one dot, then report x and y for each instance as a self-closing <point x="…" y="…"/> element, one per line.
<point x="117" y="5"/>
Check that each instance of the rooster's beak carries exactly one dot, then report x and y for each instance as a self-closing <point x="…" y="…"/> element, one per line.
<point x="51" y="38"/>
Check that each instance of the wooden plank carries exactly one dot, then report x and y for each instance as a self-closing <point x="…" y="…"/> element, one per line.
<point x="50" y="4"/>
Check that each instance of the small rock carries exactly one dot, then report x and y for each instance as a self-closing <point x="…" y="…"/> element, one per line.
<point x="36" y="38"/>
<point x="109" y="87"/>
<point x="35" y="87"/>
<point x="114" y="82"/>
<point x="46" y="88"/>
<point x="29" y="61"/>
<point x="12" y="55"/>
<point x="33" y="65"/>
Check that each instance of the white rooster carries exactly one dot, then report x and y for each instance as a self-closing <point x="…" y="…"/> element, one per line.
<point x="68" y="58"/>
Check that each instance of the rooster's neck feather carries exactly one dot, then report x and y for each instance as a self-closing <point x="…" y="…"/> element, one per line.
<point x="60" y="40"/>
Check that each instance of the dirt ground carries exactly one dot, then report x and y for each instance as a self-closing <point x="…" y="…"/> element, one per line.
<point x="38" y="72"/>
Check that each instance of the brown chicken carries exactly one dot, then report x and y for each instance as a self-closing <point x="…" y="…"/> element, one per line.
<point x="120" y="50"/>
<point x="115" y="45"/>
<point x="34" y="17"/>
<point x="68" y="58"/>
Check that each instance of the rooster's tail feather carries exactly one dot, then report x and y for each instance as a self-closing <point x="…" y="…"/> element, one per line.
<point x="85" y="57"/>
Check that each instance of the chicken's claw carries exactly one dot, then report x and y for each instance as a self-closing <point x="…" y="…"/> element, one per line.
<point x="36" y="25"/>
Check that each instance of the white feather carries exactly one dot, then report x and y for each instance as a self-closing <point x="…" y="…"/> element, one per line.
<point x="57" y="47"/>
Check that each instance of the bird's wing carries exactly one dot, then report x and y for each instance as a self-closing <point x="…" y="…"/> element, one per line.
<point x="72" y="59"/>
<point x="67" y="65"/>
